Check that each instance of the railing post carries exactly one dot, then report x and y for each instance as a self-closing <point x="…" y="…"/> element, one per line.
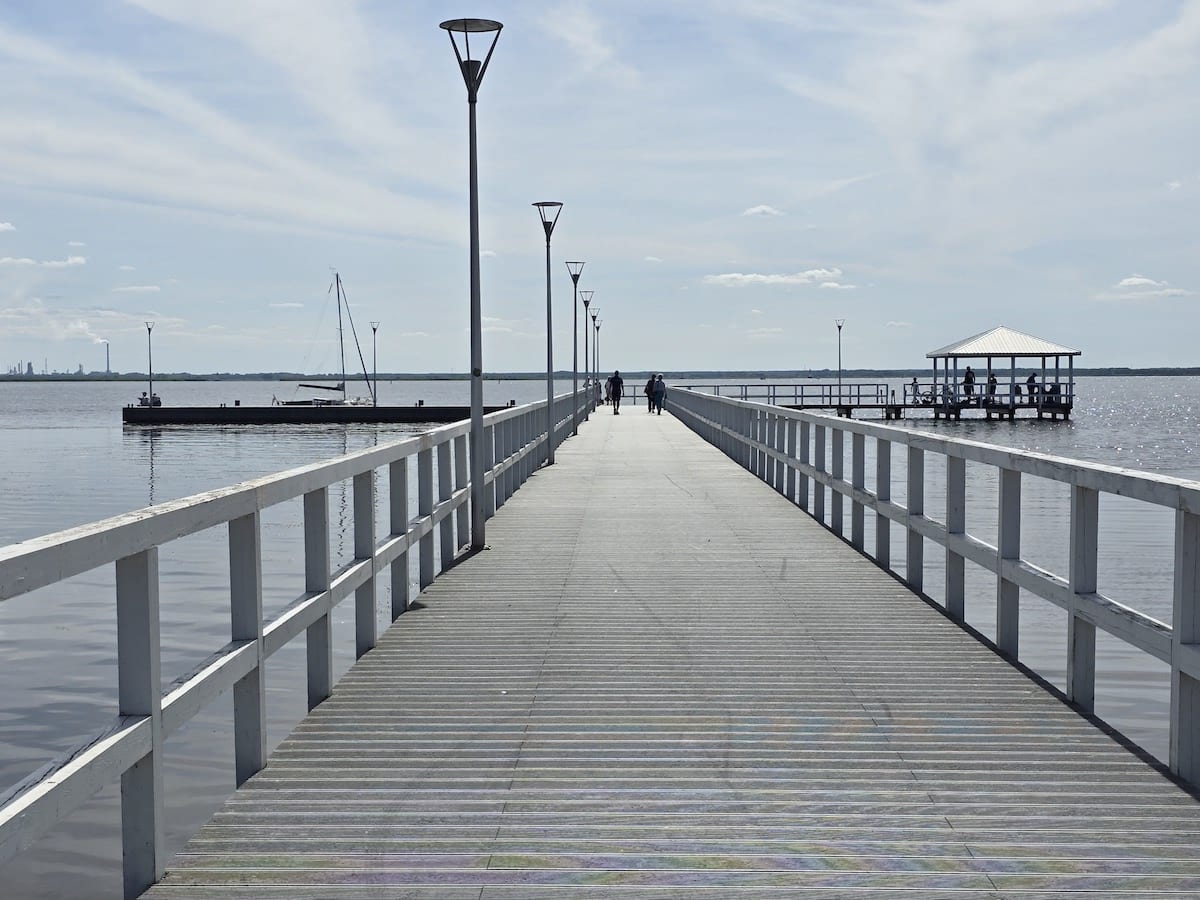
<point x="835" y="496"/>
<point x="1185" y="689"/>
<point x="1008" y="607"/>
<point x="1081" y="634"/>
<point x="246" y="624"/>
<point x="747" y="432"/>
<point x="956" y="524"/>
<point x="781" y="468"/>
<point x="445" y="477"/>
<point x="790" y="487"/>
<point x="819" y="465"/>
<point x="883" y="494"/>
<point x="463" y="514"/>
<point x="139" y="694"/>
<point x="858" y="479"/>
<point x="319" y="636"/>
<point x="491" y="494"/>
<point x="424" y="510"/>
<point x="772" y="470"/>
<point x="399" y="524"/>
<point x="805" y="459"/>
<point x="365" y="626"/>
<point x="914" y="566"/>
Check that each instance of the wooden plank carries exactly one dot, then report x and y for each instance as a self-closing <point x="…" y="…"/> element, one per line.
<point x="663" y="679"/>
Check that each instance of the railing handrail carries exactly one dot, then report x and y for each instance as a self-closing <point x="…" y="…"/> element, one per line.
<point x="515" y="441"/>
<point x="787" y="448"/>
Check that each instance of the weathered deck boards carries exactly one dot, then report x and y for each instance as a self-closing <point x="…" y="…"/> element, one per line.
<point x="663" y="680"/>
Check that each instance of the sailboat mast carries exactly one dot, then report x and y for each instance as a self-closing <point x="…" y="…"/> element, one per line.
<point x="341" y="342"/>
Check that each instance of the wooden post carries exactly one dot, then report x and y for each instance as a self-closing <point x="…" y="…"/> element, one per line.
<point x="835" y="496"/>
<point x="914" y="567"/>
<point x="139" y="694"/>
<point x="399" y="523"/>
<point x="445" y="477"/>
<point x="319" y="636"/>
<point x="463" y="514"/>
<point x="858" y="479"/>
<point x="365" y="626"/>
<point x="790" y="487"/>
<point x="1008" y="607"/>
<point x="246" y="624"/>
<point x="883" y="493"/>
<point x="424" y="509"/>
<point x="805" y="459"/>
<point x="491" y="493"/>
<point x="956" y="524"/>
<point x="1081" y="634"/>
<point x="819" y="465"/>
<point x="1185" y="689"/>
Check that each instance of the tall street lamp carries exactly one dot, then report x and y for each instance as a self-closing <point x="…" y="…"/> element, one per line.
<point x="587" y="369"/>
<point x="575" y="268"/>
<point x="839" y="323"/>
<point x="150" y="361"/>
<point x="596" y="345"/>
<point x="375" y="362"/>
<point x="549" y="210"/>
<point x="472" y="72"/>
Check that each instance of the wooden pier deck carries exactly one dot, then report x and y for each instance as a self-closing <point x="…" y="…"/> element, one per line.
<point x="664" y="680"/>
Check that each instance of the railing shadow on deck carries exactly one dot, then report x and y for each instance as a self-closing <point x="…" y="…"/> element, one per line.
<point x="802" y="456"/>
<point x="131" y="747"/>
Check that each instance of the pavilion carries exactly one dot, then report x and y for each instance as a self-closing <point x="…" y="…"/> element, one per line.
<point x="1044" y="390"/>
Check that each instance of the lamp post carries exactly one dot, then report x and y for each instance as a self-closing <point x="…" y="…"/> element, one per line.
<point x="575" y="268"/>
<point x="150" y="360"/>
<point x="596" y="345"/>
<point x="587" y="369"/>
<point x="375" y="363"/>
<point x="472" y="72"/>
<point x="839" y="323"/>
<point x="548" y="210"/>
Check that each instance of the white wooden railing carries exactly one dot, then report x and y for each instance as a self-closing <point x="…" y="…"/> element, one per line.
<point x="131" y="749"/>
<point x="802" y="455"/>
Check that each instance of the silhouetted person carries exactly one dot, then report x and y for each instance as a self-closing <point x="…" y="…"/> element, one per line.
<point x="618" y="388"/>
<point x="659" y="394"/>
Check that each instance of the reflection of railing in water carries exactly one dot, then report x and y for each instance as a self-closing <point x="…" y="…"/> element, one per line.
<point x="802" y="455"/>
<point x="131" y="748"/>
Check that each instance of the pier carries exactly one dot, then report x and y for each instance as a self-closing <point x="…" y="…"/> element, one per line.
<point x="661" y="678"/>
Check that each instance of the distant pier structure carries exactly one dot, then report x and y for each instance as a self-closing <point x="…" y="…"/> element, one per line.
<point x="995" y="388"/>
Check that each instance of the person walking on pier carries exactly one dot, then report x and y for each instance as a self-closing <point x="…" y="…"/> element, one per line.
<point x="659" y="393"/>
<point x="648" y="390"/>
<point x="618" y="387"/>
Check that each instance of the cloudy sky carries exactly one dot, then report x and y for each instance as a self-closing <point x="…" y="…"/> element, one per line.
<point x="735" y="175"/>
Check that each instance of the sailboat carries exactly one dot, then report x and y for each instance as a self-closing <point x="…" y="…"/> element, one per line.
<point x="340" y="387"/>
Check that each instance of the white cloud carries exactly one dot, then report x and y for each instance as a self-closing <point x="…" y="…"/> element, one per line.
<point x="69" y="262"/>
<point x="1141" y="288"/>
<point x="893" y="323"/>
<point x="756" y="312"/>
<point x="763" y="332"/>
<point x="286" y="305"/>
<point x="127" y="268"/>
<point x="487" y="252"/>
<point x="7" y="226"/>
<point x="652" y="259"/>
<point x="76" y="244"/>
<point x="762" y="210"/>
<point x="739" y="279"/>
<point x="414" y="334"/>
<point x="837" y="286"/>
<point x="137" y="289"/>
<point x="1174" y="185"/>
<point x="1139" y="281"/>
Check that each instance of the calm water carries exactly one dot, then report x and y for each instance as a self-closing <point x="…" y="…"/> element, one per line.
<point x="67" y="460"/>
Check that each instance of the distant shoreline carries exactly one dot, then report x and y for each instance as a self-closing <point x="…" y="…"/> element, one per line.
<point x="675" y="376"/>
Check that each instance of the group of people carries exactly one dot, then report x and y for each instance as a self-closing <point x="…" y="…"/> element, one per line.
<point x="968" y="384"/>
<point x="1050" y="393"/>
<point x="655" y="391"/>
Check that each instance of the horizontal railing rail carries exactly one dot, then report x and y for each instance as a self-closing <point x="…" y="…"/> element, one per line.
<point x="802" y="455"/>
<point x="131" y="747"/>
<point x="818" y="394"/>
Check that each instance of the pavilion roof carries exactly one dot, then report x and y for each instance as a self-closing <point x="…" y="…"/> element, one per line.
<point x="1002" y="341"/>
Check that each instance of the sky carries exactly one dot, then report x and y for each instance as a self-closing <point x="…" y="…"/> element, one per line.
<point x="736" y="177"/>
